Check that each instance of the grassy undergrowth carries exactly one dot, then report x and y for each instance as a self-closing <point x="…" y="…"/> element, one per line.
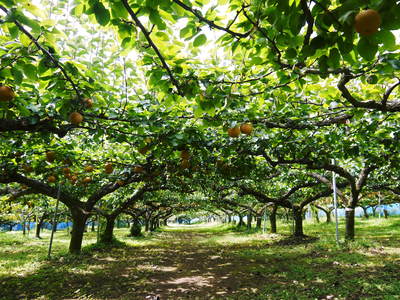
<point x="233" y="264"/>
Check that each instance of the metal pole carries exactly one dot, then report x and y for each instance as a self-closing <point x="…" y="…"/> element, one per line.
<point x="379" y="205"/>
<point x="335" y="204"/>
<point x="54" y="220"/>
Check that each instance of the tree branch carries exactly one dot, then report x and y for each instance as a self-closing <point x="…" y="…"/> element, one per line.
<point x="271" y="41"/>
<point x="155" y="48"/>
<point x="327" y="182"/>
<point x="364" y="176"/>
<point x="42" y="188"/>
<point x="45" y="125"/>
<point x="388" y="92"/>
<point x="212" y="23"/>
<point x="309" y="19"/>
<point x="392" y="106"/>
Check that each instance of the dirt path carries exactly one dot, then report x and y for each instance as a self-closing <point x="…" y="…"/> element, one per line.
<point x="180" y="264"/>
<point x="189" y="269"/>
<point x="190" y="264"/>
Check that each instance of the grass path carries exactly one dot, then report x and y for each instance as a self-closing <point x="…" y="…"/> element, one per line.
<point x="208" y="263"/>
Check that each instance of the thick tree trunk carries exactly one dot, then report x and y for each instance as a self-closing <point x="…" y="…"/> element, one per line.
<point x="241" y="223"/>
<point x="272" y="219"/>
<point x="365" y="212"/>
<point x="165" y="222"/>
<point x="152" y="225"/>
<point x="29" y="226"/>
<point x="350" y="226"/>
<point x="107" y="236"/>
<point x="93" y="229"/>
<point x="386" y="213"/>
<point x="249" y="220"/>
<point x="316" y="215"/>
<point x="39" y="225"/>
<point x="146" y="224"/>
<point x="229" y="219"/>
<point x="158" y="224"/>
<point x="129" y="223"/>
<point x="328" y="216"/>
<point x="298" y="222"/>
<point x="78" y="227"/>
<point x="258" y="222"/>
<point x="135" y="229"/>
<point x="374" y="210"/>
<point x="24" y="227"/>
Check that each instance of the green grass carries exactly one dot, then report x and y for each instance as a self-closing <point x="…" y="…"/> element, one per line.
<point x="218" y="262"/>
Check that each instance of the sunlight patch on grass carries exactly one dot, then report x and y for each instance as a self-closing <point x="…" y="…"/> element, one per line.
<point x="277" y="265"/>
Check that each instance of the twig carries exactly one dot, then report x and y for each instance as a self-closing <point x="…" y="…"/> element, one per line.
<point x="212" y="23"/>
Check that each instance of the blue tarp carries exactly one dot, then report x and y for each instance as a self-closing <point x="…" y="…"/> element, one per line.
<point x="32" y="225"/>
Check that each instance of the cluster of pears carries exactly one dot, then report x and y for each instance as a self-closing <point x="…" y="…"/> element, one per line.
<point x="245" y="128"/>
<point x="51" y="156"/>
<point x="7" y="94"/>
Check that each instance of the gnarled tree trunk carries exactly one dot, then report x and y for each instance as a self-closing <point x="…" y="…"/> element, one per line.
<point x="366" y="215"/>
<point x="107" y="235"/>
<point x="328" y="216"/>
<point x="385" y="213"/>
<point x="298" y="221"/>
<point x="78" y="227"/>
<point x="93" y="228"/>
<point x="241" y="223"/>
<point x="350" y="226"/>
<point x="146" y="224"/>
<point x="315" y="212"/>
<point x="249" y="220"/>
<point x="39" y="225"/>
<point x="374" y="210"/>
<point x="24" y="226"/>
<point x="153" y="224"/>
<point x="258" y="221"/>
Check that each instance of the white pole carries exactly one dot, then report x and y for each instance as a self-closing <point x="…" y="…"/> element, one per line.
<point x="335" y="203"/>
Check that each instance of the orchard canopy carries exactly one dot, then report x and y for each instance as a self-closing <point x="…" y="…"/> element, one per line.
<point x="198" y="105"/>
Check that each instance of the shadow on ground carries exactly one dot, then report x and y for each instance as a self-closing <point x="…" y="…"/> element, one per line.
<point x="183" y="266"/>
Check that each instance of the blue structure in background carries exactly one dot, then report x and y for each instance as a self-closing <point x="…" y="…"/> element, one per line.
<point x="32" y="225"/>
<point x="392" y="209"/>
